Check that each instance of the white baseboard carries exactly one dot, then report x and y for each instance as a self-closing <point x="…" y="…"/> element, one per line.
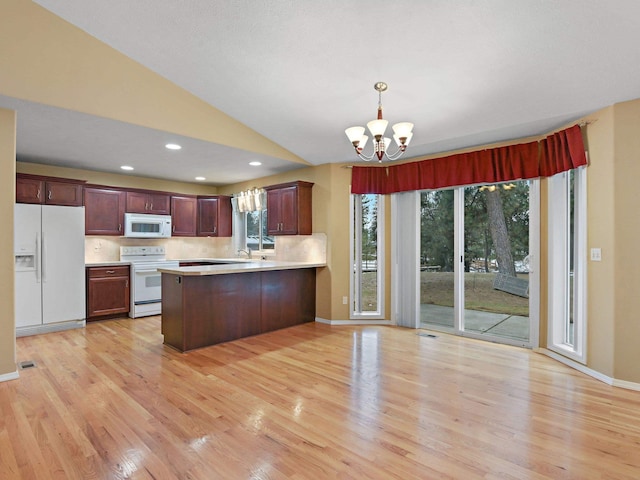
<point x="50" y="327"/>
<point x="627" y="385"/>
<point x="589" y="371"/>
<point x="353" y="322"/>
<point x="9" y="376"/>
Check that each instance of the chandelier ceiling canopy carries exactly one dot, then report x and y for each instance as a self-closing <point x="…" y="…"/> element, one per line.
<point x="401" y="134"/>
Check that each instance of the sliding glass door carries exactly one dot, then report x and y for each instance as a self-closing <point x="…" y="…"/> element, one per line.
<point x="437" y="259"/>
<point x="476" y="261"/>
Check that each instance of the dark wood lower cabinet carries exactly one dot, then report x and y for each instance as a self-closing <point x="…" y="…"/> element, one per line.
<point x="108" y="292"/>
<point x="203" y="310"/>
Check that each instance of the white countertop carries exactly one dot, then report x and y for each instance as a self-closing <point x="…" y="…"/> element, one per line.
<point x="243" y="266"/>
<point x="113" y="263"/>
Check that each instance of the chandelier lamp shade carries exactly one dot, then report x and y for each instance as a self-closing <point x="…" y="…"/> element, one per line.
<point x="401" y="134"/>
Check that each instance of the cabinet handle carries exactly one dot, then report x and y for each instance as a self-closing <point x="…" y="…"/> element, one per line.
<point x="151" y="206"/>
<point x="110" y="272"/>
<point x="173" y="229"/>
<point x="214" y="229"/>
<point x="126" y="283"/>
<point x="119" y="227"/>
<point x="49" y="195"/>
<point x="38" y="194"/>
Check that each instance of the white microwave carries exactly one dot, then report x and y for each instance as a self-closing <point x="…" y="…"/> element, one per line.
<point x="144" y="225"/>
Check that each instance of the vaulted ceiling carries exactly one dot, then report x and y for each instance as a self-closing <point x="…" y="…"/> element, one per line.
<point x="465" y="73"/>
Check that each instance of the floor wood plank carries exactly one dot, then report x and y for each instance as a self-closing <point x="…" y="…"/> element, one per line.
<point x="313" y="401"/>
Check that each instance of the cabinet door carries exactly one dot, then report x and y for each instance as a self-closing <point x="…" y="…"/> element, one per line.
<point x="29" y="190"/>
<point x="63" y="193"/>
<point x="108" y="291"/>
<point x="208" y="217"/>
<point x="184" y="216"/>
<point x="137" y="202"/>
<point x="288" y="211"/>
<point x="225" y="215"/>
<point x="159" y="204"/>
<point x="214" y="216"/>
<point x="142" y="202"/>
<point x="273" y="212"/>
<point x="104" y="211"/>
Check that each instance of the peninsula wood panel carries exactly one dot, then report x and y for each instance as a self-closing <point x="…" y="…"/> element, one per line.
<point x="204" y="310"/>
<point x="288" y="298"/>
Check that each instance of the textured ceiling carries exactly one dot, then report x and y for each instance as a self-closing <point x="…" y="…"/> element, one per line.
<point x="465" y="73"/>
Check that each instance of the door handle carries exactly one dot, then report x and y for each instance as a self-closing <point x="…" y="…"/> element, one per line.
<point x="38" y="260"/>
<point x="43" y="266"/>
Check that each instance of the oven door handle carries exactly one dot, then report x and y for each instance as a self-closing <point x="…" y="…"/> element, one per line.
<point x="146" y="270"/>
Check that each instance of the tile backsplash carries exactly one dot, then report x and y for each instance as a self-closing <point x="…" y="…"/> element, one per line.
<point x="296" y="248"/>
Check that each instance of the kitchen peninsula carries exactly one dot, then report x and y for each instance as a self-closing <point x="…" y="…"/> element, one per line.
<point x="204" y="305"/>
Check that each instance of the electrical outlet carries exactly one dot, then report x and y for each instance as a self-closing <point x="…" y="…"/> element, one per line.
<point x="345" y="300"/>
<point x="596" y="255"/>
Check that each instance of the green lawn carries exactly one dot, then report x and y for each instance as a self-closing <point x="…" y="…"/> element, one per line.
<point x="437" y="289"/>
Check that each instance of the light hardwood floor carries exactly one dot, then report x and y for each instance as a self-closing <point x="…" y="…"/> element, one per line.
<point x="309" y="402"/>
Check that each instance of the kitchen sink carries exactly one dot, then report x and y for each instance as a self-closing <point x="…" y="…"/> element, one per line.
<point x="200" y="263"/>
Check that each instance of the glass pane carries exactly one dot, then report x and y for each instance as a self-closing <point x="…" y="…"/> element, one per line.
<point x="569" y="324"/>
<point x="253" y="230"/>
<point x="257" y="238"/>
<point x="369" y="252"/>
<point x="496" y="260"/>
<point x="268" y="242"/>
<point x="436" y="259"/>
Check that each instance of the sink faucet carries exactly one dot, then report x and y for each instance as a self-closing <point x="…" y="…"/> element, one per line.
<point x="247" y="251"/>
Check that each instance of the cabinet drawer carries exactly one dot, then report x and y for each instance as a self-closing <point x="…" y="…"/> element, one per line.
<point x="101" y="272"/>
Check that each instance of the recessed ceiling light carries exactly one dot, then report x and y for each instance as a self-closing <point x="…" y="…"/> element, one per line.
<point x="255" y="164"/>
<point x="200" y="179"/>
<point x="126" y="167"/>
<point x="173" y="146"/>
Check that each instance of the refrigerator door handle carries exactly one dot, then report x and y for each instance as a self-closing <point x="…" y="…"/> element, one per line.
<point x="43" y="263"/>
<point x="37" y="258"/>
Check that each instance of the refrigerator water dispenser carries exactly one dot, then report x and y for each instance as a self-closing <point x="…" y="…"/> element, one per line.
<point x="25" y="262"/>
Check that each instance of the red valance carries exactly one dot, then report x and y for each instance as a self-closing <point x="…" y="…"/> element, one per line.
<point x="557" y="153"/>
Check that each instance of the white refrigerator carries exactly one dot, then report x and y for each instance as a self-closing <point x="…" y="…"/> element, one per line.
<point x="49" y="266"/>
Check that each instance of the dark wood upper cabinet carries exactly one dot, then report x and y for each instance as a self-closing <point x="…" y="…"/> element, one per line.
<point x="104" y="211"/>
<point x="48" y="191"/>
<point x="289" y="208"/>
<point x="184" y="216"/>
<point x="29" y="190"/>
<point x="214" y="216"/>
<point x="148" y="202"/>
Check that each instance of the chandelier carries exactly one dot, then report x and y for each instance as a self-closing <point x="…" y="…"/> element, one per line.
<point x="401" y="134"/>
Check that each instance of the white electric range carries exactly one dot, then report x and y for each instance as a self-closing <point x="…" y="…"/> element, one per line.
<point x="146" y="285"/>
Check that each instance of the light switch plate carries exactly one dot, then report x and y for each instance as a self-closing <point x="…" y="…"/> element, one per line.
<point x="596" y="255"/>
